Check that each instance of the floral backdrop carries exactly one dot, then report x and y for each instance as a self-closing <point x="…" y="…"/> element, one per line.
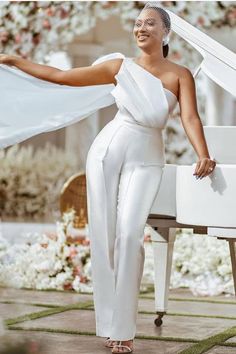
<point x="35" y="28"/>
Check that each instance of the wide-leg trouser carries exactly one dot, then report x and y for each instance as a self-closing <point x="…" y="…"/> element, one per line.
<point x="123" y="173"/>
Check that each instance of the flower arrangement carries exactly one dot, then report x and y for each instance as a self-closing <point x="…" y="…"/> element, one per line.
<point x="47" y="262"/>
<point x="200" y="263"/>
<point x="30" y="181"/>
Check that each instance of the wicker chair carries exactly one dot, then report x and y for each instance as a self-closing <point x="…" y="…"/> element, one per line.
<point x="73" y="195"/>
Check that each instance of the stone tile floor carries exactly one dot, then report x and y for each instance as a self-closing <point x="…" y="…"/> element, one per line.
<point x="64" y="322"/>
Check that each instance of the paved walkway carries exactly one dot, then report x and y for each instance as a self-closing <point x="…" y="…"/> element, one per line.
<point x="64" y="322"/>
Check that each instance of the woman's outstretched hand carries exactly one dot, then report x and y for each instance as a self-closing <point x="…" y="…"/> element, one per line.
<point x="204" y="167"/>
<point x="6" y="59"/>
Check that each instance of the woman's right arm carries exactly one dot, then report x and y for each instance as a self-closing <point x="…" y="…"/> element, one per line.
<point x="98" y="74"/>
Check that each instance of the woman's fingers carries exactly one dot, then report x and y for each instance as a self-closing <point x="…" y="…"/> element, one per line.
<point x="204" y="167"/>
<point x="200" y="167"/>
<point x="206" y="170"/>
<point x="197" y="167"/>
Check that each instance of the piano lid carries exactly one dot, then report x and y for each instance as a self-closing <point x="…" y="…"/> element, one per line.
<point x="219" y="63"/>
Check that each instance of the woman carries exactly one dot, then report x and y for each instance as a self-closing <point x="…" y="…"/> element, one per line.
<point x="125" y="163"/>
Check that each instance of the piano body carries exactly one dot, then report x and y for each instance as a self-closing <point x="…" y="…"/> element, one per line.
<point x="206" y="206"/>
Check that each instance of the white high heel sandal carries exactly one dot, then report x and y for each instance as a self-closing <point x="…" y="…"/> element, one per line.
<point x="129" y="350"/>
<point x="109" y="343"/>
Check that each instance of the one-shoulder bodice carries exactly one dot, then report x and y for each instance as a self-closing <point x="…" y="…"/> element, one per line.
<point x="142" y="95"/>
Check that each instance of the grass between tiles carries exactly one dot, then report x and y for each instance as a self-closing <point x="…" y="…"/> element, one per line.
<point x="88" y="305"/>
<point x="212" y="301"/>
<point x="210" y="342"/>
<point x="45" y="313"/>
<point x="190" y="315"/>
<point x="140" y="297"/>
<point x="30" y="304"/>
<point x="197" y="348"/>
<point x="228" y="344"/>
<point x="66" y="331"/>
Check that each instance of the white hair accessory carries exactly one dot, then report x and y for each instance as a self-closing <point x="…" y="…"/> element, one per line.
<point x="166" y="40"/>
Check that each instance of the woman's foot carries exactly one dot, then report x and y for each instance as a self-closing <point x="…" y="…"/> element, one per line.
<point x="124" y="346"/>
<point x="110" y="342"/>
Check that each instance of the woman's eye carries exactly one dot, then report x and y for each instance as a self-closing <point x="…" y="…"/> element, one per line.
<point x="149" y="23"/>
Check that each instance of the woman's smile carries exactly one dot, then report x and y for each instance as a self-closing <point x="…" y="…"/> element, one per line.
<point x="142" y="37"/>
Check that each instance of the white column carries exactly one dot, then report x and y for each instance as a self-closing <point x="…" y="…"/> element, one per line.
<point x="220" y="105"/>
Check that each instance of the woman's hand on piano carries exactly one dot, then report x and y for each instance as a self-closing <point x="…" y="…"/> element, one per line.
<point x="204" y="167"/>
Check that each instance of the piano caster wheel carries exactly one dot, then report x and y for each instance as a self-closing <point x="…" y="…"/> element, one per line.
<point x="158" y="321"/>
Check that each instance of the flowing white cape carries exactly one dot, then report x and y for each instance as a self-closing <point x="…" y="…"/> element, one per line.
<point x="30" y="106"/>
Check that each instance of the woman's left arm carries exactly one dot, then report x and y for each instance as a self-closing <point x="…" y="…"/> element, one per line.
<point x="192" y="123"/>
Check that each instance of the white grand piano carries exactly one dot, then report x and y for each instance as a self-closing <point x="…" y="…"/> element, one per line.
<point x="208" y="205"/>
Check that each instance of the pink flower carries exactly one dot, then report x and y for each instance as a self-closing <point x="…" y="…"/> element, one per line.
<point x="67" y="286"/>
<point x="231" y="17"/>
<point x="44" y="245"/>
<point x="73" y="252"/>
<point x="108" y="4"/>
<point x="86" y="242"/>
<point x="76" y="270"/>
<point x="201" y="20"/>
<point x="17" y="38"/>
<point x="83" y="279"/>
<point x="64" y="14"/>
<point x="50" y="12"/>
<point x="46" y="24"/>
<point x="51" y="235"/>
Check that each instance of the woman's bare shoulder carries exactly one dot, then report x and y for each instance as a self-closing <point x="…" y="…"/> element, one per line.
<point x="180" y="70"/>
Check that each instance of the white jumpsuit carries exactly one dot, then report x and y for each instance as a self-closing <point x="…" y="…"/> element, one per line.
<point x="124" y="169"/>
<point x="123" y="172"/>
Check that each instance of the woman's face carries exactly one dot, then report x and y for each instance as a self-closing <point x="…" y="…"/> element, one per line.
<point x="149" y="29"/>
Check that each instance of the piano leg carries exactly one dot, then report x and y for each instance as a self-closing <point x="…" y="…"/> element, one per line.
<point x="163" y="243"/>
<point x="233" y="259"/>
